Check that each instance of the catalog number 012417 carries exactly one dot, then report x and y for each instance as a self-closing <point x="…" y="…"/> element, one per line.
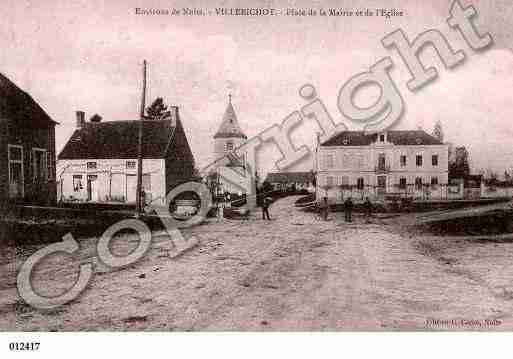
<point x="24" y="346"/>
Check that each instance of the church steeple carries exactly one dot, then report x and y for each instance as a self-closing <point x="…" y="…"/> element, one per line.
<point x="229" y="126"/>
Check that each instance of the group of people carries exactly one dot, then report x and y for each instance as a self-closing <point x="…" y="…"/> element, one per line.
<point x="348" y="209"/>
<point x="324" y="208"/>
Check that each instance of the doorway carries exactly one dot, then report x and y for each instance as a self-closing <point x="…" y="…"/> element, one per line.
<point x="131" y="188"/>
<point x="92" y="188"/>
<point x="382" y="185"/>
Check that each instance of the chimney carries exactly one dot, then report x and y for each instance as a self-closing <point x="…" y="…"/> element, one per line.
<point x="80" y="119"/>
<point x="174" y="115"/>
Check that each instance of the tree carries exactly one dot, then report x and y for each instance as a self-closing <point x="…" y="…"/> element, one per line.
<point x="157" y="110"/>
<point x="95" y="118"/>
<point x="459" y="165"/>
<point x="438" y="131"/>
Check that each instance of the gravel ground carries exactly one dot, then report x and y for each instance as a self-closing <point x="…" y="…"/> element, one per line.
<point x="292" y="273"/>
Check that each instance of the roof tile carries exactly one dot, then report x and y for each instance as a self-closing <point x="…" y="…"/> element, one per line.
<point x="230" y="126"/>
<point x="404" y="138"/>
<point x="19" y="106"/>
<point x="118" y="139"/>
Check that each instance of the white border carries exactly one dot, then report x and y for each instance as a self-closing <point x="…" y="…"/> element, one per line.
<point x="262" y="345"/>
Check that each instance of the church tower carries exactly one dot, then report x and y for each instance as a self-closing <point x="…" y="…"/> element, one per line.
<point x="229" y="136"/>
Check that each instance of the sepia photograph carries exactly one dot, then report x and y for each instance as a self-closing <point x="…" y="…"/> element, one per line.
<point x="172" y="166"/>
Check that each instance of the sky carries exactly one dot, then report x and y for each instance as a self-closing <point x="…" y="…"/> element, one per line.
<point x="87" y="55"/>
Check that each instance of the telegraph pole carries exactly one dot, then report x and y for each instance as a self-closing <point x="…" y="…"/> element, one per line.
<point x="139" y="204"/>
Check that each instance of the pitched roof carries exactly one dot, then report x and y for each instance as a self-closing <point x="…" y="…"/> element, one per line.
<point x="17" y="105"/>
<point x="290" y="177"/>
<point x="234" y="160"/>
<point x="229" y="126"/>
<point x="118" y="139"/>
<point x="403" y="138"/>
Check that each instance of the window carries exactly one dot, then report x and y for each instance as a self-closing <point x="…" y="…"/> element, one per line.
<point x="419" y="160"/>
<point x="91" y="165"/>
<point x="77" y="183"/>
<point x="360" y="183"/>
<point x="403" y="161"/>
<point x="434" y="181"/>
<point x="402" y="183"/>
<point x="229" y="146"/>
<point x="39" y="166"/>
<point x="15" y="153"/>
<point x="344" y="181"/>
<point x="381" y="161"/>
<point x="434" y="160"/>
<point x="330" y="162"/>
<point x="16" y="176"/>
<point x="418" y="183"/>
<point x="381" y="138"/>
<point x="329" y="181"/>
<point x="130" y="165"/>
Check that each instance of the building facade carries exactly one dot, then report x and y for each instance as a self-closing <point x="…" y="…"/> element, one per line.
<point x="392" y="163"/>
<point x="27" y="148"/>
<point x="99" y="162"/>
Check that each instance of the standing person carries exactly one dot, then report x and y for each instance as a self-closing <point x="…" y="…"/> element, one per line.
<point x="265" y="208"/>
<point x="143" y="198"/>
<point x="368" y="209"/>
<point x="348" y="208"/>
<point x="325" y="208"/>
<point x="220" y="211"/>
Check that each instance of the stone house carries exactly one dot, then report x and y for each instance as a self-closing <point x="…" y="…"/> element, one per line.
<point x="99" y="162"/>
<point x="27" y="148"/>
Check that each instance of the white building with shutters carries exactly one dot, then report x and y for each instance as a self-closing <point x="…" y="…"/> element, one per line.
<point x="394" y="163"/>
<point x="99" y="162"/>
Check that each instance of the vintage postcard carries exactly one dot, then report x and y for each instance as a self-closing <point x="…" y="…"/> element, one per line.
<point x="263" y="166"/>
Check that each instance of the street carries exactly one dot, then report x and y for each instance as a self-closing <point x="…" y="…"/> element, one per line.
<point x="295" y="272"/>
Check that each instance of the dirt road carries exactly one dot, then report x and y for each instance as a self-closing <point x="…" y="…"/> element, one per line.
<point x="293" y="273"/>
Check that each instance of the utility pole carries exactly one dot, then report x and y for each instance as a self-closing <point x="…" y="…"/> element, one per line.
<point x="139" y="204"/>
